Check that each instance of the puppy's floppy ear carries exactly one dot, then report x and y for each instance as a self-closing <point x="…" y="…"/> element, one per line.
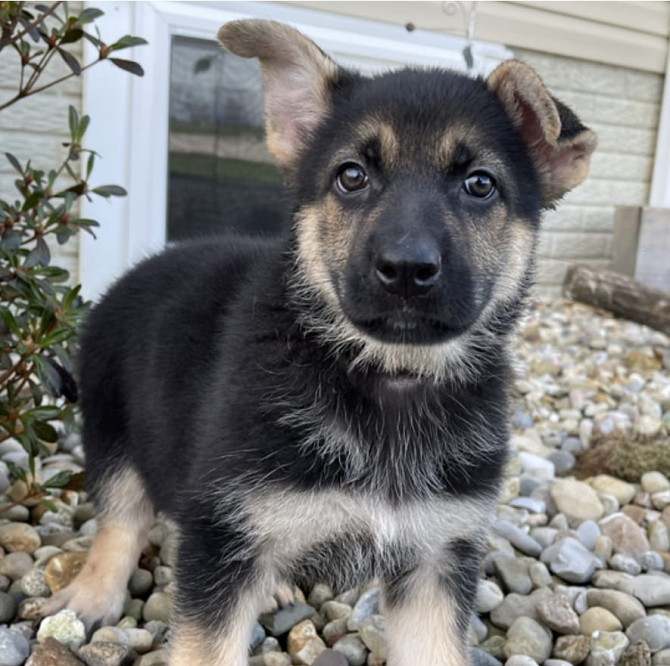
<point x="296" y="77"/>
<point x="559" y="144"/>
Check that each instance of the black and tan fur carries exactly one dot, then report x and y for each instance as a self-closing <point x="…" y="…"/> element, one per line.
<point x="331" y="405"/>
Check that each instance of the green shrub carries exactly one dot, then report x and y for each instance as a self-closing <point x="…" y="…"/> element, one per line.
<point x="41" y="314"/>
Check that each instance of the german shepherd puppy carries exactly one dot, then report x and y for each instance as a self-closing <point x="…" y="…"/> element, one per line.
<point x="332" y="405"/>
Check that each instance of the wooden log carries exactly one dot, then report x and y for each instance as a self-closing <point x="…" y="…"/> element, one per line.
<point x="619" y="294"/>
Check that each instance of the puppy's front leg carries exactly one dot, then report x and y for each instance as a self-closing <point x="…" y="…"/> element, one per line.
<point x="221" y="588"/>
<point x="428" y="610"/>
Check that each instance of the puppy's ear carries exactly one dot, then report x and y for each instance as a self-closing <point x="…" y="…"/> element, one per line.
<point x="559" y="144"/>
<point x="296" y="77"/>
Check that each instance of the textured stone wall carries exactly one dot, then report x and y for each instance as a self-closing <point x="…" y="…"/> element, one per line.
<point x="622" y="106"/>
<point x="35" y="128"/>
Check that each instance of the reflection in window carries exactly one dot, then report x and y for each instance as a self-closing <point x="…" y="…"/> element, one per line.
<point x="220" y="175"/>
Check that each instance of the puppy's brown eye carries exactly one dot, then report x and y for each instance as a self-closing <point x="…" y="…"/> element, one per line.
<point x="351" y="177"/>
<point x="479" y="184"/>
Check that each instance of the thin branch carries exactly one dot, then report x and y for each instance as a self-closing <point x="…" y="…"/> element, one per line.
<point x="32" y="25"/>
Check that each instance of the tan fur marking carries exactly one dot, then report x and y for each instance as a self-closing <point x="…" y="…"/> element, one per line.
<point x="98" y="592"/>
<point x="422" y="629"/>
<point x="381" y="130"/>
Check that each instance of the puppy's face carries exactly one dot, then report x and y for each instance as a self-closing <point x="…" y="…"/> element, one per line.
<point x="418" y="195"/>
<point x="418" y="206"/>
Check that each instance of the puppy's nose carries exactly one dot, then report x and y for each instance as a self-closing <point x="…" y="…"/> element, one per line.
<point x="408" y="270"/>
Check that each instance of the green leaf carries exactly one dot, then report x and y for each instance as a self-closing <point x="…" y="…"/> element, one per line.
<point x="36" y="392"/>
<point x="83" y="126"/>
<point x="69" y="298"/>
<point x="14" y="162"/>
<point x="128" y="66"/>
<point x="94" y="40"/>
<point x="8" y="318"/>
<point x="49" y="377"/>
<point x="58" y="480"/>
<point x="126" y="42"/>
<point x="45" y="431"/>
<point x="11" y="240"/>
<point x="39" y="256"/>
<point x="49" y="505"/>
<point x="17" y="472"/>
<point x="73" y="120"/>
<point x="70" y="61"/>
<point x="110" y="191"/>
<point x="32" y="200"/>
<point x="41" y="413"/>
<point x="72" y="35"/>
<point x="89" y="14"/>
<point x="89" y="165"/>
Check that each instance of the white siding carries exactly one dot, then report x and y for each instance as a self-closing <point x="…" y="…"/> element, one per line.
<point x="622" y="106"/>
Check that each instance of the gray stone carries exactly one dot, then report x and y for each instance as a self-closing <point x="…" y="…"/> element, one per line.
<point x="606" y="648"/>
<point x="353" y="648"/>
<point x="651" y="589"/>
<point x="366" y="606"/>
<point x="626" y="607"/>
<point x="103" y="654"/>
<point x="280" y="622"/>
<point x="532" y="505"/>
<point x="661" y="658"/>
<point x="34" y="584"/>
<point x="514" y="574"/>
<point x="157" y="607"/>
<point x="653" y="630"/>
<point x="626" y="563"/>
<point x="489" y="595"/>
<point x="16" y="565"/>
<point x="539" y="574"/>
<point x="517" y="537"/>
<point x="258" y="635"/>
<point x="526" y="636"/>
<point x="556" y="613"/>
<point x="7" y="608"/>
<point x="320" y="594"/>
<point x="563" y="461"/>
<point x="650" y="561"/>
<point x="570" y="560"/>
<point x="520" y="660"/>
<point x="14" y="649"/>
<point x="588" y="532"/>
<point x="545" y="536"/>
<point x="330" y="658"/>
<point x="140" y="582"/>
<point x="514" y="606"/>
<point x="480" y="658"/>
<point x="373" y="634"/>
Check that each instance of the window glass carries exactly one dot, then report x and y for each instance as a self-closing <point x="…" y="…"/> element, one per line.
<point x="221" y="176"/>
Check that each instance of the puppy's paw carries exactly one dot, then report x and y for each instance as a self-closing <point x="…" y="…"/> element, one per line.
<point x="95" y="606"/>
<point x="283" y="596"/>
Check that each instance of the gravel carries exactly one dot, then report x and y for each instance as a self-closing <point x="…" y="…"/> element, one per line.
<point x="577" y="569"/>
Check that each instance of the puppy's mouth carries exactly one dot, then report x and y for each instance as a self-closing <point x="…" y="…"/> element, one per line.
<point x="409" y="329"/>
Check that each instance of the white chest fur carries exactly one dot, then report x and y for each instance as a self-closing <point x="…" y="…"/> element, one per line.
<point x="289" y="522"/>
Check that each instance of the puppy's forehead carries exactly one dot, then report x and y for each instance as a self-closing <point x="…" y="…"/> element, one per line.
<point x="428" y="116"/>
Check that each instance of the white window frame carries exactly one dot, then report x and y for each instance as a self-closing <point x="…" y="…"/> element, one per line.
<point x="129" y="125"/>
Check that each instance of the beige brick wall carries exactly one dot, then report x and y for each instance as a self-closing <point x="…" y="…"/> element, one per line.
<point x="35" y="128"/>
<point x="622" y="106"/>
